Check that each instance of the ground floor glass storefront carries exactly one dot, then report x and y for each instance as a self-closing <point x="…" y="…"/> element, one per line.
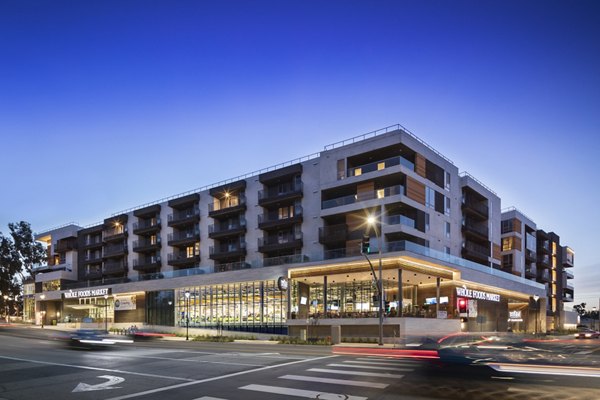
<point x="258" y="306"/>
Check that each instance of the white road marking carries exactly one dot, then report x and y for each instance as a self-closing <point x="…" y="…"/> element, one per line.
<point x="359" y="373"/>
<point x="371" y="367"/>
<point x="311" y="394"/>
<point x="216" y="378"/>
<point x="390" y="363"/>
<point x="562" y="370"/>
<point x="209" y="398"/>
<point x="188" y="360"/>
<point x="335" y="381"/>
<point x="118" y="371"/>
<point x="110" y="384"/>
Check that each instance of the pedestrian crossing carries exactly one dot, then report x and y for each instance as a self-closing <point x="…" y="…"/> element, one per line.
<point x="352" y="379"/>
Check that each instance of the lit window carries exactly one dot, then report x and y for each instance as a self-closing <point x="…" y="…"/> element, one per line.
<point x="380" y="166"/>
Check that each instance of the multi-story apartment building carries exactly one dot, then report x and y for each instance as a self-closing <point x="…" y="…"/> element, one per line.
<point x="267" y="251"/>
<point x="534" y="254"/>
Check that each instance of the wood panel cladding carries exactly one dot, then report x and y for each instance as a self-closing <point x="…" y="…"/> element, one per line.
<point x="365" y="191"/>
<point x="517" y="226"/>
<point x="415" y="190"/>
<point x="355" y="222"/>
<point x="420" y="165"/>
<point x="516" y="242"/>
<point x="496" y="251"/>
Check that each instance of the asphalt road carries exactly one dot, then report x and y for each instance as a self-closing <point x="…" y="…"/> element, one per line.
<point x="34" y="365"/>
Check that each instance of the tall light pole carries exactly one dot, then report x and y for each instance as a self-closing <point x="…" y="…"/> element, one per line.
<point x="187" y="315"/>
<point x="373" y="222"/>
<point x="106" y="313"/>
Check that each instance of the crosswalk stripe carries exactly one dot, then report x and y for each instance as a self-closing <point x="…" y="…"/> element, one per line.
<point x="404" y="364"/>
<point x="371" y="367"/>
<point x="390" y="360"/>
<point x="359" y="373"/>
<point x="336" y="381"/>
<point x="310" y="394"/>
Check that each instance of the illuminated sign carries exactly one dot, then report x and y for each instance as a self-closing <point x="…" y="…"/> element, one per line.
<point x="477" y="294"/>
<point x="282" y="283"/>
<point x="515" y="316"/>
<point x="79" y="294"/>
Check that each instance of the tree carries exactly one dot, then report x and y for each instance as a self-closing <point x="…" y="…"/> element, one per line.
<point x="19" y="252"/>
<point x="580" y="309"/>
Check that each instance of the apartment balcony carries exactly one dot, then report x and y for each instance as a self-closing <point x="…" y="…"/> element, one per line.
<point x="232" y="206"/>
<point x="266" y="221"/>
<point x="93" y="258"/>
<point x="475" y="252"/>
<point x="333" y="234"/>
<point x="543" y="247"/>
<point x="355" y="198"/>
<point x="568" y="294"/>
<point x="236" y="266"/>
<point x="280" y="243"/>
<point x="274" y="195"/>
<point x="474" y="229"/>
<point x="92" y="242"/>
<point x="531" y="273"/>
<point x="476" y="208"/>
<point x="221" y="230"/>
<point x="183" y="238"/>
<point x="114" y="268"/>
<point x="543" y="260"/>
<point x="227" y="250"/>
<point x="114" y="234"/>
<point x="62" y="266"/>
<point x="543" y="276"/>
<point x="567" y="260"/>
<point x="530" y="256"/>
<point x="143" y="264"/>
<point x="183" y="260"/>
<point x="401" y="220"/>
<point x="146" y="245"/>
<point x="62" y="246"/>
<point x="145" y="227"/>
<point x="93" y="274"/>
<point x="569" y="274"/>
<point x="380" y="165"/>
<point x="183" y="218"/>
<point x="115" y="250"/>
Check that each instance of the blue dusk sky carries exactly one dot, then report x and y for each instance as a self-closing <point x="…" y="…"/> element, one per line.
<point x="106" y="105"/>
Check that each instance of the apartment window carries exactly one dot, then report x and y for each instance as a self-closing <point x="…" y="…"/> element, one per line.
<point x="507" y="261"/>
<point x="507" y="226"/>
<point x="508" y="243"/>
<point x="427" y="243"/>
<point x="285" y="212"/>
<point x="447" y="181"/>
<point x="189" y="252"/>
<point x="448" y="230"/>
<point x="446" y="249"/>
<point x="447" y="200"/>
<point x="426" y="222"/>
<point x="153" y="239"/>
<point x="429" y="197"/>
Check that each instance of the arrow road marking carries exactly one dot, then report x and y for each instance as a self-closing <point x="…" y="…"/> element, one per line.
<point x="112" y="380"/>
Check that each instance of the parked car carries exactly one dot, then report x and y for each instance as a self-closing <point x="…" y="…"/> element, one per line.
<point x="587" y="334"/>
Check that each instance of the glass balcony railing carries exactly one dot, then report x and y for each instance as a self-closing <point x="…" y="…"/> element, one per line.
<point x="354" y="198"/>
<point x="401" y="220"/>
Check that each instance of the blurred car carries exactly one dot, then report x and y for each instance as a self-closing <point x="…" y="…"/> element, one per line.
<point x="587" y="334"/>
<point x="89" y="339"/>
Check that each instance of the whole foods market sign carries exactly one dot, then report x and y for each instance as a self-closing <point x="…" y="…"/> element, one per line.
<point x="477" y="294"/>
<point x="80" y="294"/>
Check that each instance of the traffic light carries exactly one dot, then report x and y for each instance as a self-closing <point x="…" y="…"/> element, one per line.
<point x="365" y="245"/>
<point x="462" y="306"/>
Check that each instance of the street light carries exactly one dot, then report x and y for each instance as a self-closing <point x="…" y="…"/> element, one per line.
<point x="106" y="313"/>
<point x="187" y="315"/>
<point x="372" y="221"/>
